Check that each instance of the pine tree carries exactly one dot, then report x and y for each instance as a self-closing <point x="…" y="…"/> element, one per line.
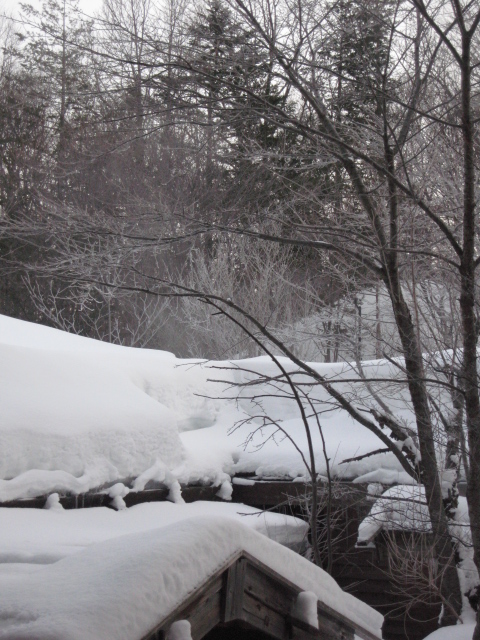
<point x="55" y="48"/>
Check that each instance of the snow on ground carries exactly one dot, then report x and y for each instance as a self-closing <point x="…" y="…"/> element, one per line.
<point x="44" y="536"/>
<point x="78" y="414"/>
<point x="459" y="632"/>
<point x="121" y="588"/>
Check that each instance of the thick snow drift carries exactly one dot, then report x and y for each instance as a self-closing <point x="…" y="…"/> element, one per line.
<point x="78" y="414"/>
<point x="120" y="589"/>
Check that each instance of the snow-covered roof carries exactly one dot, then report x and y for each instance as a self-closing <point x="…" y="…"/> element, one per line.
<point x="399" y="508"/>
<point x="44" y="536"/>
<point x="404" y="508"/>
<point x="78" y="414"/>
<point x="123" y="588"/>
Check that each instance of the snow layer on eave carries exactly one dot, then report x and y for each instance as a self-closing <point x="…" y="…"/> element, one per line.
<point x="73" y="412"/>
<point x="79" y="413"/>
<point x="123" y="588"/>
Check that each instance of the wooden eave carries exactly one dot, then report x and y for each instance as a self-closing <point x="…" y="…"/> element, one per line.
<point x="261" y="494"/>
<point x="248" y="594"/>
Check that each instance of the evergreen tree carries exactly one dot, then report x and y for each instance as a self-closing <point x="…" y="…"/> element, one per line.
<point x="55" y="47"/>
<point x="355" y="51"/>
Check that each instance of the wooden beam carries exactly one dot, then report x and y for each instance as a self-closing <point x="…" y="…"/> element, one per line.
<point x="234" y="591"/>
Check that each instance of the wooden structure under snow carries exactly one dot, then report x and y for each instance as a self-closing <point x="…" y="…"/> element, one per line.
<point x="363" y="571"/>
<point x="247" y="599"/>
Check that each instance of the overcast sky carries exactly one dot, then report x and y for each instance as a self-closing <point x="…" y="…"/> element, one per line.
<point x="11" y="6"/>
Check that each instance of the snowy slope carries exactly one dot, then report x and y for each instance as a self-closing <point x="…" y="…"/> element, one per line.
<point x="120" y="589"/>
<point x="78" y="414"/>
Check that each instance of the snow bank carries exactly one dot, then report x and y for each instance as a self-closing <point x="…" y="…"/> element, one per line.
<point x="120" y="589"/>
<point x="404" y="508"/>
<point x="79" y="414"/>
<point x="267" y="451"/>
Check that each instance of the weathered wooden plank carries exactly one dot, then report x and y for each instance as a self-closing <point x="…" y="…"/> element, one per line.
<point x="329" y="627"/>
<point x="27" y="503"/>
<point x="229" y="594"/>
<point x="322" y="607"/>
<point x="327" y="630"/>
<point x="203" y="613"/>
<point x="239" y="586"/>
<point x="82" y="501"/>
<point x="206" y="614"/>
<point x="265" y="588"/>
<point x="234" y="589"/>
<point x="266" y="494"/>
<point x="272" y="493"/>
<point x="194" y="493"/>
<point x="264" y="618"/>
<point x="268" y="598"/>
<point x="159" y="634"/>
<point x="214" y="585"/>
<point x="262" y="493"/>
<point x="152" y="495"/>
<point x="298" y="633"/>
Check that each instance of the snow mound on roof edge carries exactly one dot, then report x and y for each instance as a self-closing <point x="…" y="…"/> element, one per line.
<point x="123" y="588"/>
<point x="78" y="413"/>
<point x="21" y="333"/>
<point x="73" y="411"/>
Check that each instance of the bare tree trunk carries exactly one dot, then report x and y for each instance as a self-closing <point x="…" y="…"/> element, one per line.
<point x="62" y="133"/>
<point x="378" y="326"/>
<point x="467" y="306"/>
<point x="450" y="586"/>
<point x="444" y="551"/>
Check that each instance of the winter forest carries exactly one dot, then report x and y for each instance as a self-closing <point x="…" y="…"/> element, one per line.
<point x="296" y="180"/>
